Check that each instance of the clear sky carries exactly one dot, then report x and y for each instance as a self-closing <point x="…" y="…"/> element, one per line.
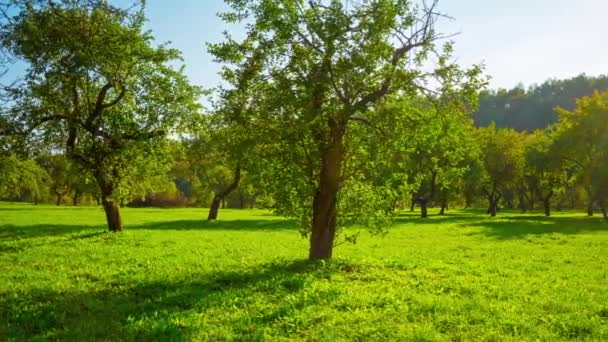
<point x="525" y="41"/>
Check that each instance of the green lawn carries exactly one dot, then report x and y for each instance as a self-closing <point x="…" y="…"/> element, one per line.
<point x="172" y="276"/>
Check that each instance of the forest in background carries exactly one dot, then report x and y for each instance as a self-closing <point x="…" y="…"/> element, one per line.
<point x="532" y="108"/>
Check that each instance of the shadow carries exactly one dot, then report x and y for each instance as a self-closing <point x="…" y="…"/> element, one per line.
<point x="49" y="208"/>
<point x="519" y="227"/>
<point x="230" y="225"/>
<point x="156" y="310"/>
<point x="435" y="219"/>
<point x="12" y="232"/>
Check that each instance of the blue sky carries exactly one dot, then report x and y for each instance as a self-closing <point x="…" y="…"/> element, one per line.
<point x="525" y="41"/>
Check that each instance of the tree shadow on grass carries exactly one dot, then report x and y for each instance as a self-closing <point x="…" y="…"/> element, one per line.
<point x="434" y="220"/>
<point x="13" y="233"/>
<point x="228" y="225"/>
<point x="519" y="227"/>
<point x="162" y="310"/>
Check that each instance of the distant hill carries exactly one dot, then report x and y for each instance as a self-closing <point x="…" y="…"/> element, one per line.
<point x="533" y="108"/>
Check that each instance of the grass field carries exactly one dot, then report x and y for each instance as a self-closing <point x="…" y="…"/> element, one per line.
<point x="172" y="276"/>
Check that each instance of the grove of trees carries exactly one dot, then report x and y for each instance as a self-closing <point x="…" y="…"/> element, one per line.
<point x="337" y="114"/>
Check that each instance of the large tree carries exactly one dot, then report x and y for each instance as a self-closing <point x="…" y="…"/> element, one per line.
<point x="502" y="152"/>
<point x="96" y="87"/>
<point x="545" y="174"/>
<point x="581" y="140"/>
<point x="326" y="65"/>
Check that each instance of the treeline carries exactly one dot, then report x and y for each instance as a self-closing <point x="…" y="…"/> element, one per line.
<point x="534" y="108"/>
<point x="325" y="114"/>
<point x="444" y="163"/>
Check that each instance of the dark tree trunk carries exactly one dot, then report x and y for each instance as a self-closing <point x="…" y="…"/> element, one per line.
<point x="219" y="197"/>
<point x="112" y="215"/>
<point x="493" y="208"/>
<point x="214" y="208"/>
<point x="547" y="203"/>
<point x="424" y="211"/>
<point x="590" y="208"/>
<point x="98" y="200"/>
<point x="605" y="212"/>
<point x="444" y="207"/>
<point x="76" y="199"/>
<point x="59" y="199"/>
<point x="324" y="204"/>
<point x="412" y="205"/>
<point x="522" y="202"/>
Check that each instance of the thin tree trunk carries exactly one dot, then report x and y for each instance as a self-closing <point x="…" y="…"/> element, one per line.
<point x="324" y="204"/>
<point x="605" y="212"/>
<point x="112" y="215"/>
<point x="424" y="212"/>
<point x="547" y="203"/>
<point x="412" y="205"/>
<point x="76" y="199"/>
<point x="590" y="208"/>
<point x="444" y="206"/>
<point x="59" y="199"/>
<point x="218" y="199"/>
<point x="522" y="202"/>
<point x="214" y="208"/>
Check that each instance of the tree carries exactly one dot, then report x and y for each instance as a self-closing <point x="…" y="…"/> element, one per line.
<point x="328" y="64"/>
<point x="581" y="139"/>
<point x="441" y="143"/>
<point x="96" y="87"/>
<point x="57" y="166"/>
<point x="502" y="151"/>
<point x="544" y="171"/>
<point x="21" y="178"/>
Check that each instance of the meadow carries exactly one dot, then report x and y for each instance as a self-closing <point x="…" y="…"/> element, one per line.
<point x="173" y="276"/>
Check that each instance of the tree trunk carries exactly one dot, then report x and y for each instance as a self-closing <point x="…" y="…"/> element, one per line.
<point x="522" y="202"/>
<point x="412" y="205"/>
<point x="112" y="215"/>
<point x="590" y="208"/>
<point x="219" y="197"/>
<point x="424" y="212"/>
<point x="444" y="207"/>
<point x="59" y="199"/>
<point x="605" y="212"/>
<point x="76" y="199"/>
<point x="214" y="208"/>
<point x="324" y="204"/>
<point x="547" y="203"/>
<point x="493" y="204"/>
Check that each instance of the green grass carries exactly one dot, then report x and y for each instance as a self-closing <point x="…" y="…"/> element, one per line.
<point x="172" y="276"/>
